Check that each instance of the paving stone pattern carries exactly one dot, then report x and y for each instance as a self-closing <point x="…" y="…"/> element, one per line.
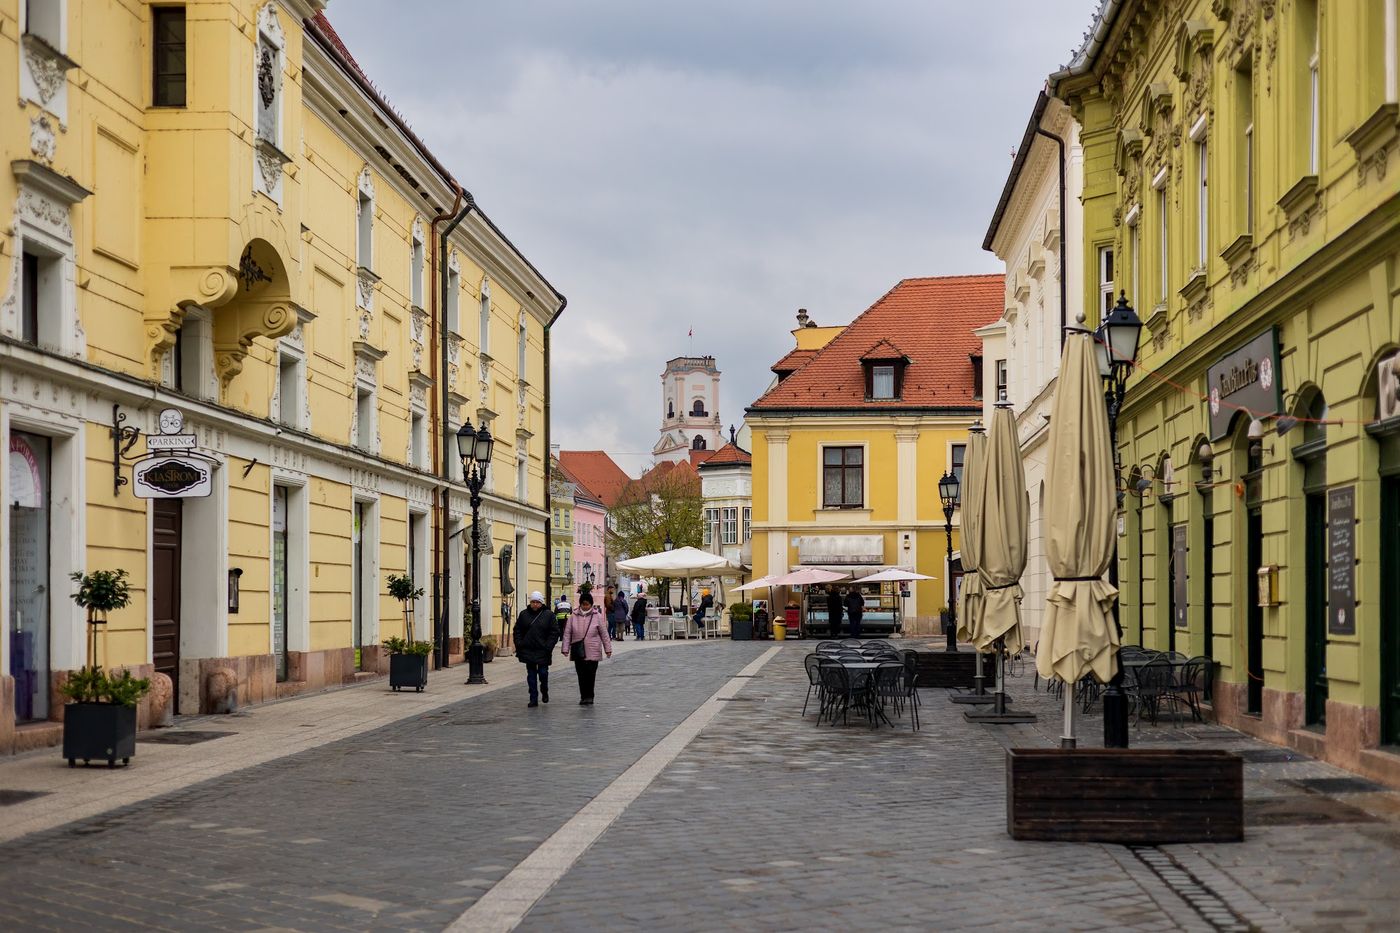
<point x="399" y="828"/>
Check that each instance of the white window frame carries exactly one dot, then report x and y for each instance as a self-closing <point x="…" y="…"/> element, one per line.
<point x="1315" y="94"/>
<point x="195" y="347"/>
<point x="1159" y="185"/>
<point x="864" y="480"/>
<point x="484" y="318"/>
<point x="415" y="265"/>
<point x="522" y="350"/>
<point x="1132" y="220"/>
<point x="729" y="525"/>
<point x="451" y="319"/>
<point x="876" y="372"/>
<point x="364" y="224"/>
<point x="1198" y="136"/>
<point x="522" y="477"/>
<point x="290" y="410"/>
<point x="298" y="634"/>
<point x="365" y="410"/>
<point x="1107" y="259"/>
<point x="1000" y="375"/>
<point x="748" y="524"/>
<point x="43" y="227"/>
<point x="418" y="440"/>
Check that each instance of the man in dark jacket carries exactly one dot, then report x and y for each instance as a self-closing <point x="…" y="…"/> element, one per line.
<point x="833" y="612"/>
<point x="639" y="616"/>
<point x="855" y="608"/>
<point x="535" y="636"/>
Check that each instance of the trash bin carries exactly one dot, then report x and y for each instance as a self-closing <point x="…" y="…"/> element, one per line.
<point x="779" y="631"/>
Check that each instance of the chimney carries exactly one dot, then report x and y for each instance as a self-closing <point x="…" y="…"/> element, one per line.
<point x="802" y="318"/>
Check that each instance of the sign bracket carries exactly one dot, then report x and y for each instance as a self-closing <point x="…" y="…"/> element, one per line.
<point x="124" y="437"/>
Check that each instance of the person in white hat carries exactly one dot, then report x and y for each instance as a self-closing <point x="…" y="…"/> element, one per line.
<point x="535" y="637"/>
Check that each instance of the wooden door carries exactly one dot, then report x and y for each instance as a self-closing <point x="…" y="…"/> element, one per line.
<point x="1390" y="610"/>
<point x="165" y="587"/>
<point x="1315" y="609"/>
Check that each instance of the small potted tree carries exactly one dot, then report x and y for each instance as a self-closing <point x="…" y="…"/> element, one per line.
<point x="408" y="657"/>
<point x="99" y="721"/>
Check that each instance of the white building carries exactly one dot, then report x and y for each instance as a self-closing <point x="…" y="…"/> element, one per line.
<point x="1022" y="350"/>
<point x="689" y="408"/>
<point x="726" y="486"/>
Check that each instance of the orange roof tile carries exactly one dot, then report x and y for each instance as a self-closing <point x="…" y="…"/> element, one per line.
<point x="697" y="457"/>
<point x="596" y="472"/>
<point x="793" y="361"/>
<point x="931" y="321"/>
<point x="730" y="454"/>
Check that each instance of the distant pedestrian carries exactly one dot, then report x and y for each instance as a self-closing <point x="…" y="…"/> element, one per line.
<point x="562" y="611"/>
<point x="855" y="608"/>
<point x="833" y="612"/>
<point x="706" y="602"/>
<point x="607" y="611"/>
<point x="585" y="643"/>
<point x="617" y="620"/>
<point x="535" y="634"/>
<point x="639" y="616"/>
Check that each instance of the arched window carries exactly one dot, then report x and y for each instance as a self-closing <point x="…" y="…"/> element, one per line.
<point x="698" y="443"/>
<point x="670" y="408"/>
<point x="697" y="409"/>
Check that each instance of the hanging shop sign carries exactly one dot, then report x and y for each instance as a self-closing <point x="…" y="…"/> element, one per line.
<point x="172" y="478"/>
<point x="1245" y="379"/>
<point x="1341" y="561"/>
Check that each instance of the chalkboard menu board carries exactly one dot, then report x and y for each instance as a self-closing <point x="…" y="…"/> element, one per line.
<point x="1179" y="576"/>
<point x="1341" y="561"/>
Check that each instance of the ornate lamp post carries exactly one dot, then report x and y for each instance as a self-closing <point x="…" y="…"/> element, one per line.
<point x="1116" y="344"/>
<point x="948" y="492"/>
<point x="474" y="447"/>
<point x="667" y="545"/>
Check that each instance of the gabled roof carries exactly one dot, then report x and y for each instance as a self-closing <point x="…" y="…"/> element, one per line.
<point x="793" y="361"/>
<point x="699" y="457"/>
<point x="883" y="350"/>
<point x="729" y="455"/>
<point x="581" y="493"/>
<point x="931" y="319"/>
<point x="596" y="473"/>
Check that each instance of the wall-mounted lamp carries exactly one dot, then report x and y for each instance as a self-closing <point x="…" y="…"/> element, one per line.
<point x="1206" y="454"/>
<point x="1255" y="434"/>
<point x="234" y="574"/>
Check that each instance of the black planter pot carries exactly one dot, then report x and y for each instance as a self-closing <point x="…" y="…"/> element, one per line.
<point x="741" y="629"/>
<point x="408" y="670"/>
<point x="102" y="731"/>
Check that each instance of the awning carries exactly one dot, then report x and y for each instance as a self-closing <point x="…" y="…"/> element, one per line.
<point x="841" y="550"/>
<point x="855" y="570"/>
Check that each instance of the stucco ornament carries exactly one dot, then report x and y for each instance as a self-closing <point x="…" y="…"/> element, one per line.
<point x="48" y="71"/>
<point x="267" y="79"/>
<point x="42" y="141"/>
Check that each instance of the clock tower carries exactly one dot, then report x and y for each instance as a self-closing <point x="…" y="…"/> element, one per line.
<point x="689" y="409"/>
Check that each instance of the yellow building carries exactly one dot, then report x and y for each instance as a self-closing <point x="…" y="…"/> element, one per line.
<point x="849" y="444"/>
<point x="1240" y="163"/>
<point x="211" y="211"/>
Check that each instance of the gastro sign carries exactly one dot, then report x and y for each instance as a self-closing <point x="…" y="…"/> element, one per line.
<point x="1245" y="379"/>
<point x="171" y="478"/>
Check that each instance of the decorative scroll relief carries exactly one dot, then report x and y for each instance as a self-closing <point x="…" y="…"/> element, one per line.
<point x="454" y="357"/>
<point x="364" y="288"/>
<point x="43" y="144"/>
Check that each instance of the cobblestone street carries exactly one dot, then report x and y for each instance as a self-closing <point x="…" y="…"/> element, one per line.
<point x="763" y="821"/>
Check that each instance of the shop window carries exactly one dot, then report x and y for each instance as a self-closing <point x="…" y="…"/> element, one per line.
<point x="168" y="66"/>
<point x="27" y="612"/>
<point x="843" y="477"/>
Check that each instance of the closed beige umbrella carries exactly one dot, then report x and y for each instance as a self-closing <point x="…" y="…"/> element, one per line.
<point x="1002" y="530"/>
<point x="970" y="596"/>
<point x="1078" y="636"/>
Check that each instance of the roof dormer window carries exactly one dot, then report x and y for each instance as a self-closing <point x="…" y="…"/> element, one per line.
<point x="884" y="367"/>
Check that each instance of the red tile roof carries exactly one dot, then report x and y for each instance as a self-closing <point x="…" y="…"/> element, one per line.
<point x="931" y="320"/>
<point x="596" y="472"/>
<point x="728" y="455"/>
<point x="882" y="351"/>
<point x="793" y="361"/>
<point x="697" y="457"/>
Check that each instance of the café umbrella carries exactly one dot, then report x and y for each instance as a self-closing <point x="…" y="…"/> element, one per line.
<point x="969" y="603"/>
<point x="1078" y="636"/>
<point x="683" y="562"/>
<point x="1002" y="533"/>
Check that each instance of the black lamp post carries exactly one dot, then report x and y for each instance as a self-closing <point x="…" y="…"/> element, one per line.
<point x="1116" y="345"/>
<point x="948" y="492"/>
<point x="474" y="447"/>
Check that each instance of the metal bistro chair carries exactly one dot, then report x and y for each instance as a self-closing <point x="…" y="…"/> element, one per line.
<point x="1154" y="688"/>
<point x="813" y="664"/>
<point x="836" y="692"/>
<point x="851" y="643"/>
<point x="1193" y="683"/>
<point x="887" y="690"/>
<point x="827" y="645"/>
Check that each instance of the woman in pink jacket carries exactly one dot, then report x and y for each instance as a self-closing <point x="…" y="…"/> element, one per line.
<point x="587" y="630"/>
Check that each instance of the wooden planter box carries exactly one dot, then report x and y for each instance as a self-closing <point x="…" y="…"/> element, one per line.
<point x="1146" y="795"/>
<point x="101" y="731"/>
<point x="947" y="668"/>
<point x="408" y="670"/>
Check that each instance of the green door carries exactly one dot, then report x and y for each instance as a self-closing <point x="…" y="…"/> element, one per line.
<point x="1315" y="567"/>
<point x="1254" y="621"/>
<point x="1390" y="610"/>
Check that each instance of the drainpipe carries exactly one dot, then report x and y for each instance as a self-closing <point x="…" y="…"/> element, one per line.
<point x="548" y="461"/>
<point x="1064" y="310"/>
<point x="442" y="565"/>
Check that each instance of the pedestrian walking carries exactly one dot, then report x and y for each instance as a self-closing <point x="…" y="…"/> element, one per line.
<point x="535" y="635"/>
<point x="562" y="611"/>
<point x="855" y="608"/>
<point x="617" y="627"/>
<point x="833" y="612"/>
<point x="585" y="643"/>
<point x="639" y="617"/>
<point x="607" y="611"/>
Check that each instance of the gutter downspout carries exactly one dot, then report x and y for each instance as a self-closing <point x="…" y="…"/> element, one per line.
<point x="1064" y="307"/>
<point x="442" y="564"/>
<point x="549" y="461"/>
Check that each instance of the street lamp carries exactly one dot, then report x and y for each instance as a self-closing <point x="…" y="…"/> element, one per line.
<point x="948" y="492"/>
<point x="474" y="447"/>
<point x="667" y="545"/>
<point x="1116" y="346"/>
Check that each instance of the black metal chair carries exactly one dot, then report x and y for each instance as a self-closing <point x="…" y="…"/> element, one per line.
<point x="812" y="664"/>
<point x="851" y="643"/>
<point x="1192" y="683"/>
<point x="1155" y="689"/>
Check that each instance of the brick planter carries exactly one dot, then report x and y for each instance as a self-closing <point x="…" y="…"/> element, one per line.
<point x="1146" y="795"/>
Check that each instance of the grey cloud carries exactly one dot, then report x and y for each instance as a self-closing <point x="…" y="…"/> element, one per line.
<point x="716" y="165"/>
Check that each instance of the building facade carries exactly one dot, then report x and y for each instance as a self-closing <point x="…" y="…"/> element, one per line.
<point x="212" y="214"/>
<point x="1022" y="348"/>
<point x="726" y="486"/>
<point x="689" y="408"/>
<point x="1240" y="160"/>
<point x="562" y="490"/>
<point x="849" y="445"/>
<point x="590" y="558"/>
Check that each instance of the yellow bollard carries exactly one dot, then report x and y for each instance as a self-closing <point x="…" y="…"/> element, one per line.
<point x="779" y="631"/>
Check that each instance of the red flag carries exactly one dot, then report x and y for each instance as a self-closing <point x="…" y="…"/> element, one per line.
<point x="692" y="333"/>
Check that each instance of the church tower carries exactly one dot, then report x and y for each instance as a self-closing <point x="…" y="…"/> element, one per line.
<point x="689" y="409"/>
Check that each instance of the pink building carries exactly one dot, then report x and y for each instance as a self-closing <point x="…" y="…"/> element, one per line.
<point x="589" y="554"/>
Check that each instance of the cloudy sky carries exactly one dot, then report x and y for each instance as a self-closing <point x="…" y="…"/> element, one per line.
<point x="715" y="166"/>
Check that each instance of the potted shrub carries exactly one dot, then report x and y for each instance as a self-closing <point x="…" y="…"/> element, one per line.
<point x="408" y="658"/>
<point x="489" y="646"/>
<point x="741" y="621"/>
<point x="99" y="721"/>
